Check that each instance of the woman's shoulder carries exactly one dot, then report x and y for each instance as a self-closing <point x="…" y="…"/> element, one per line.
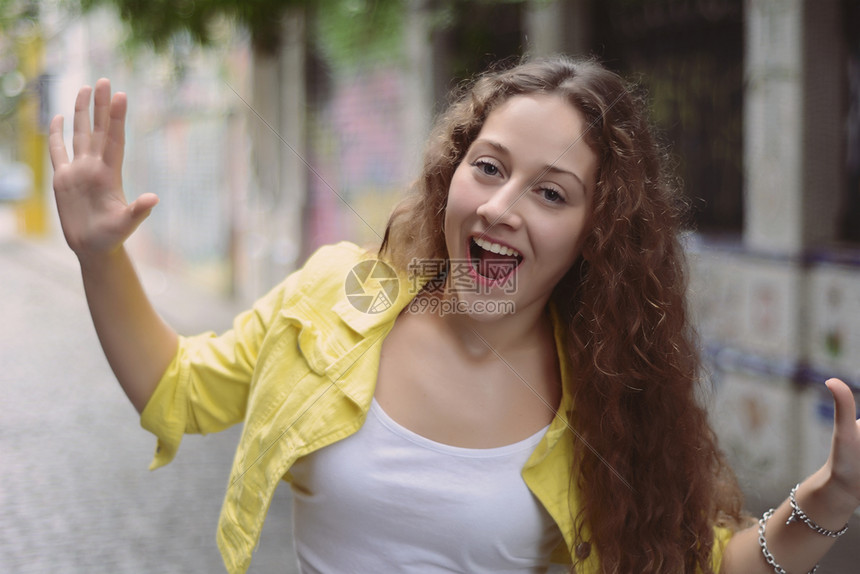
<point x="332" y="266"/>
<point x="335" y="260"/>
<point x="343" y="250"/>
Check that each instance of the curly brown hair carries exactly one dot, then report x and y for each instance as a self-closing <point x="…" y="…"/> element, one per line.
<point x="630" y="342"/>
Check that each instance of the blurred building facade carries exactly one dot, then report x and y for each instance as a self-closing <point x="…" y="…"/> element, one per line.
<point x="258" y="161"/>
<point x="778" y="304"/>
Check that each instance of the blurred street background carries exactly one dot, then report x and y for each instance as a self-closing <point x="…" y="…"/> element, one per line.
<point x="269" y="128"/>
<point x="75" y="493"/>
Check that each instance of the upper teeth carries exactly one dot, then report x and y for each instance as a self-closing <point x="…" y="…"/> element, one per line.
<point x="495" y="247"/>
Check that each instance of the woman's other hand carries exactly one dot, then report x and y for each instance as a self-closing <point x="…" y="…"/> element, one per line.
<point x="844" y="460"/>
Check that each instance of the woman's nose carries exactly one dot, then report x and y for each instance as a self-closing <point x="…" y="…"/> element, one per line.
<point x="503" y="207"/>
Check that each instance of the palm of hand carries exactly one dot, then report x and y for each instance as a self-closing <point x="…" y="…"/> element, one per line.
<point x="93" y="211"/>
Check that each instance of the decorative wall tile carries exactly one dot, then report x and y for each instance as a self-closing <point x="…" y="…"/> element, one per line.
<point x="752" y="416"/>
<point x="747" y="302"/>
<point x="715" y="296"/>
<point x="833" y="343"/>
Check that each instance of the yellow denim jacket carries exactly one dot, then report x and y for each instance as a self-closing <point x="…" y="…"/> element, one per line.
<point x="299" y="369"/>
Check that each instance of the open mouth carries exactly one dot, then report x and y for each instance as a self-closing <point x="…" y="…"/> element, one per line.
<point x="493" y="261"/>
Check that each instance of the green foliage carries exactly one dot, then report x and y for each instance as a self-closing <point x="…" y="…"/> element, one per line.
<point x="351" y="32"/>
<point x="19" y="20"/>
<point x="347" y="33"/>
<point x="15" y="12"/>
<point x="156" y="22"/>
<point x="477" y="34"/>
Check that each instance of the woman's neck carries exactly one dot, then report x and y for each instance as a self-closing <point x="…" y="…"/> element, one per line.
<point x="498" y="336"/>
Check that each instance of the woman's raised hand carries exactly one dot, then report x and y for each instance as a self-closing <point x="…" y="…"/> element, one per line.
<point x="94" y="214"/>
<point x="844" y="460"/>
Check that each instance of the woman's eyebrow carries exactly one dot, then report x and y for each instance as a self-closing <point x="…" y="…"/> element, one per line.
<point x="492" y="143"/>
<point x="561" y="171"/>
<point x="549" y="168"/>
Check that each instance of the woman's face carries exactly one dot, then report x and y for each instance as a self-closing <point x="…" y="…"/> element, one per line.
<point x="518" y="202"/>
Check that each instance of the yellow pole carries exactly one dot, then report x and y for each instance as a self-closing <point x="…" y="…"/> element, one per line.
<point x="32" y="140"/>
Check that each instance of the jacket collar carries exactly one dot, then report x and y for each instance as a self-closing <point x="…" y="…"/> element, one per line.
<point x="374" y="326"/>
<point x="400" y="288"/>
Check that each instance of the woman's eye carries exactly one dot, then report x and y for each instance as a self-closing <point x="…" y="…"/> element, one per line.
<point x="551" y="195"/>
<point x="486" y="167"/>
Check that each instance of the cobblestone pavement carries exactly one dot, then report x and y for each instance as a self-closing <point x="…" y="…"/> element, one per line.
<point x="75" y="492"/>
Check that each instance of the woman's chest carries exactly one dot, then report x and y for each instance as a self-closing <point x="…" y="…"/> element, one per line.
<point x="432" y="387"/>
<point x="385" y="496"/>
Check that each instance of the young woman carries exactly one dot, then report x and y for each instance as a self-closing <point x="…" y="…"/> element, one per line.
<point x="526" y="396"/>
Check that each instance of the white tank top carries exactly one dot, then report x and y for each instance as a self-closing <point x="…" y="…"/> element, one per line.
<point x="386" y="499"/>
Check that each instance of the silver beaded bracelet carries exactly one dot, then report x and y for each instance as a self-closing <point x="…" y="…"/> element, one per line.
<point x="798" y="515"/>
<point x="762" y="542"/>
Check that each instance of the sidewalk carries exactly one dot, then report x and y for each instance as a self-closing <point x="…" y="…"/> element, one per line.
<point x="75" y="492"/>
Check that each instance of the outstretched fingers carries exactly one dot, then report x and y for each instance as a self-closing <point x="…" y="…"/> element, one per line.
<point x="56" y="145"/>
<point x="94" y="213"/>
<point x="107" y="137"/>
<point x="114" y="146"/>
<point x="81" y="126"/>
<point x="101" y="116"/>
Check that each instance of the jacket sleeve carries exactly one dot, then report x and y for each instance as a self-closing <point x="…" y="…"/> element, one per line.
<point x="205" y="388"/>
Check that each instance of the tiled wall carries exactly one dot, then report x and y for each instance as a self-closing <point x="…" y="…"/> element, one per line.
<point x="833" y="343"/>
<point x="774" y="329"/>
<point x="747" y="303"/>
